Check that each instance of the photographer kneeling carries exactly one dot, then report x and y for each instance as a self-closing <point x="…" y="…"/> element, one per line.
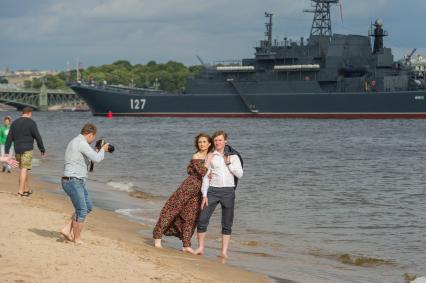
<point x="78" y="156"/>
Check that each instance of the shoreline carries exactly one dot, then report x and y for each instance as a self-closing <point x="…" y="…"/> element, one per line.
<point x="33" y="249"/>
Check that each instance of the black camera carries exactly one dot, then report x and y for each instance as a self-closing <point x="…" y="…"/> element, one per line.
<point x="98" y="146"/>
<point x="100" y="143"/>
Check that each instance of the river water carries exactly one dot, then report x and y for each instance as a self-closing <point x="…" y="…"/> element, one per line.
<point x="320" y="200"/>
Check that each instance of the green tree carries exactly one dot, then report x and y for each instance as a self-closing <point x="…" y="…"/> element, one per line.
<point x="27" y="84"/>
<point x="171" y="75"/>
<point x="36" y="83"/>
<point x="123" y="64"/>
<point x="151" y="64"/>
<point x="53" y="82"/>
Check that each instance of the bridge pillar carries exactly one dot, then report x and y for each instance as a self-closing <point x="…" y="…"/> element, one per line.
<point x="42" y="99"/>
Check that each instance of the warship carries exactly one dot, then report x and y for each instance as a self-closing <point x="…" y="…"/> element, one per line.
<point x="325" y="76"/>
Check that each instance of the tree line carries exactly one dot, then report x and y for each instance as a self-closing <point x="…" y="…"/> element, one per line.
<point x="170" y="76"/>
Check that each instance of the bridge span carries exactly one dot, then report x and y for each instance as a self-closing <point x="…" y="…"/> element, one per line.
<point x="39" y="99"/>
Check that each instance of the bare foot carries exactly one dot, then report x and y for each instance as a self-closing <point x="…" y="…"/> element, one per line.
<point x="223" y="258"/>
<point x="78" y="242"/>
<point x="67" y="236"/>
<point x="199" y="251"/>
<point x="188" y="250"/>
<point x="157" y="243"/>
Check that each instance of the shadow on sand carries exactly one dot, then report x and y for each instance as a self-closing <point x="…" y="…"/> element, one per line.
<point x="48" y="234"/>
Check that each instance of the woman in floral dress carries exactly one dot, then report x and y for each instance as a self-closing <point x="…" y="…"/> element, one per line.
<point x="180" y="212"/>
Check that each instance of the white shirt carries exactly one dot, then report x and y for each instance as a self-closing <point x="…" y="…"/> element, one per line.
<point x="78" y="156"/>
<point x="222" y="175"/>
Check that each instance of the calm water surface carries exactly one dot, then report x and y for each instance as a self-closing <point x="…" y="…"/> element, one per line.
<point x="314" y="192"/>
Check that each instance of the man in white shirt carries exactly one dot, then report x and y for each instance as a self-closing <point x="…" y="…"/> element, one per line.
<point x="219" y="187"/>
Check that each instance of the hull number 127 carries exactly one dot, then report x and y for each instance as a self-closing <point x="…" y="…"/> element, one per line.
<point x="137" y="104"/>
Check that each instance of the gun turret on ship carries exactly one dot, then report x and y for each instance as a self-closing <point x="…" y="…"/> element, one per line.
<point x="327" y="76"/>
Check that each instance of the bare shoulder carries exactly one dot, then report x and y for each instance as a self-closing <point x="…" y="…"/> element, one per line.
<point x="195" y="156"/>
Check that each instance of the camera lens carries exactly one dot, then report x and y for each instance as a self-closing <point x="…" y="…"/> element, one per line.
<point x="111" y="148"/>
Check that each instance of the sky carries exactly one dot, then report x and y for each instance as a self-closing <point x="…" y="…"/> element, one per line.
<point x="52" y="34"/>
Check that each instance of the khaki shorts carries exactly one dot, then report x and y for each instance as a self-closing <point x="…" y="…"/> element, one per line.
<point x="25" y="159"/>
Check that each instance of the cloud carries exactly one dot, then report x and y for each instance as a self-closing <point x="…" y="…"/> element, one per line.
<point x="99" y="31"/>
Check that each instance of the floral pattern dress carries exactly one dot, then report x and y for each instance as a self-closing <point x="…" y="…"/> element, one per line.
<point x="180" y="212"/>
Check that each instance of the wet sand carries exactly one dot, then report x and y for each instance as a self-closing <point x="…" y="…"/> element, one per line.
<point x="33" y="250"/>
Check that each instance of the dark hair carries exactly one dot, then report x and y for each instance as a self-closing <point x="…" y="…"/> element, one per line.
<point x="203" y="135"/>
<point x="8" y="118"/>
<point x="89" y="129"/>
<point x="220" y="133"/>
<point x="27" y="110"/>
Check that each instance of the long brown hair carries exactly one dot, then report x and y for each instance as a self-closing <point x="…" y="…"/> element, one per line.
<point x="203" y="135"/>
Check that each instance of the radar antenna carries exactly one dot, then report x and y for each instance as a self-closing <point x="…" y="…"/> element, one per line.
<point x="321" y="24"/>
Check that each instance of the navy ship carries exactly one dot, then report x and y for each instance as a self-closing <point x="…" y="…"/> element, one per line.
<point x="326" y="76"/>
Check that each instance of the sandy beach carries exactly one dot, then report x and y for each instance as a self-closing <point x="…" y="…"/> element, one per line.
<point x="32" y="249"/>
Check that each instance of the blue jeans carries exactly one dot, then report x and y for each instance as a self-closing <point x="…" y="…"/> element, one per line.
<point x="76" y="190"/>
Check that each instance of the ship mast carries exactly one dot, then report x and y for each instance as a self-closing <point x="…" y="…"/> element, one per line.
<point x="321" y="24"/>
<point x="378" y="33"/>
<point x="78" y="69"/>
<point x="268" y="32"/>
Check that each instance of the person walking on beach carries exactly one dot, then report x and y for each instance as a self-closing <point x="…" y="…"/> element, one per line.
<point x="180" y="212"/>
<point x="219" y="187"/>
<point x="77" y="159"/>
<point x="22" y="134"/>
<point x="4" y="131"/>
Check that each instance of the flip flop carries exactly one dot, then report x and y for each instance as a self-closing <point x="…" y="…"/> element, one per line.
<point x="27" y="194"/>
<point x="22" y="195"/>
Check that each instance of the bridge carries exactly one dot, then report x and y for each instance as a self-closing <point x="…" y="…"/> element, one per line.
<point x="41" y="99"/>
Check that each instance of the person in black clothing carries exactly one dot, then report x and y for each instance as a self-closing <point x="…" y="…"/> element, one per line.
<point x="22" y="133"/>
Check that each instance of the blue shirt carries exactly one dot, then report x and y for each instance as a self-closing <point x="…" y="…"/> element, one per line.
<point x="78" y="156"/>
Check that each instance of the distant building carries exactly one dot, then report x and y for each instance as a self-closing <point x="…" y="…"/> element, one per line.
<point x="5" y="72"/>
<point x="20" y="76"/>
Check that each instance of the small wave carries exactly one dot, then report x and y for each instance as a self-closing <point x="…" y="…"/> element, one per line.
<point x="264" y="232"/>
<point x="259" y="254"/>
<point x="413" y="278"/>
<point x="144" y="195"/>
<point x="123" y="187"/>
<point x="251" y="243"/>
<point x="362" y="261"/>
<point x="281" y="280"/>
<point x="127" y="211"/>
<point x="132" y="213"/>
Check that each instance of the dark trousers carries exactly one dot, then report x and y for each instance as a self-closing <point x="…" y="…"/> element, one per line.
<point x="226" y="198"/>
